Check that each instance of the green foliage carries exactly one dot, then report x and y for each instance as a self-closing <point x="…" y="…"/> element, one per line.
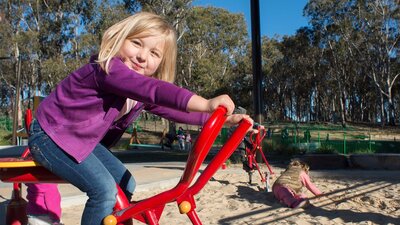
<point x="361" y="151"/>
<point x="360" y="136"/>
<point x="5" y="137"/>
<point x="326" y="149"/>
<point x="5" y="123"/>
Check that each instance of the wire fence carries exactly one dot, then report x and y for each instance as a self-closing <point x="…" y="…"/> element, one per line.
<point x="345" y="141"/>
<point x="285" y="137"/>
<point x="303" y="138"/>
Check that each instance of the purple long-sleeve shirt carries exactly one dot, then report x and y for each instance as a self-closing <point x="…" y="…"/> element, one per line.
<point x="84" y="106"/>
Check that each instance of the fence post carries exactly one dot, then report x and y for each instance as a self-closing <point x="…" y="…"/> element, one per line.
<point x="369" y="142"/>
<point x="344" y="143"/>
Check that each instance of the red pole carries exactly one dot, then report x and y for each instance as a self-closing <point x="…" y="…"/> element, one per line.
<point x="28" y="119"/>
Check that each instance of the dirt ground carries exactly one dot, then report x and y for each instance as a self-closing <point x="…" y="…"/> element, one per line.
<point x="228" y="199"/>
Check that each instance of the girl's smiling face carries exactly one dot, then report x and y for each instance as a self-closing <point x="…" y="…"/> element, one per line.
<point x="144" y="54"/>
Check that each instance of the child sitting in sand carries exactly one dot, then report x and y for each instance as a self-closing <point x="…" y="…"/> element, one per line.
<point x="288" y="187"/>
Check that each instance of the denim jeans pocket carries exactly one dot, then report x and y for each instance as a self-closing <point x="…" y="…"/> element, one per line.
<point x="38" y="140"/>
<point x="39" y="156"/>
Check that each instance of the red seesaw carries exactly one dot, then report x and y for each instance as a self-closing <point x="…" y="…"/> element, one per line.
<point x="149" y="210"/>
<point x="254" y="145"/>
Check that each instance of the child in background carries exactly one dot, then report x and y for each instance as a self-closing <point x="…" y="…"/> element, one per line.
<point x="134" y="136"/>
<point x="188" y="141"/>
<point x="133" y="71"/>
<point x="288" y="187"/>
<point x="181" y="139"/>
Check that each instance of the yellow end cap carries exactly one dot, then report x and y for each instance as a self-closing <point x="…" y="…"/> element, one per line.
<point x="184" y="207"/>
<point x="110" y="220"/>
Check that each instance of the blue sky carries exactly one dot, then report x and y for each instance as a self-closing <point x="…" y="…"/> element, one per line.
<point x="281" y="17"/>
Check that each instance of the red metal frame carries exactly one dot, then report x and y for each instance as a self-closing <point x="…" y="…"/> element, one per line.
<point x="149" y="210"/>
<point x="256" y="140"/>
<point x="16" y="207"/>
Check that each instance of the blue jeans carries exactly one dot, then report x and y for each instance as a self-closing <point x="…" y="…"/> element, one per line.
<point x="97" y="175"/>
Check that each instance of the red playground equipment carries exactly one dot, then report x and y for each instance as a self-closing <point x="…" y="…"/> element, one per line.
<point x="254" y="145"/>
<point x="148" y="211"/>
<point x="16" y="208"/>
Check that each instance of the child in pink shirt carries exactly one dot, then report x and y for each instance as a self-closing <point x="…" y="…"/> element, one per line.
<point x="288" y="187"/>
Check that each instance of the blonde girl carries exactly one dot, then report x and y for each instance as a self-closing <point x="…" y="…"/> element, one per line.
<point x="91" y="108"/>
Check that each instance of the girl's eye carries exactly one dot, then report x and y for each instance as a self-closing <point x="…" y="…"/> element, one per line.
<point x="136" y="42"/>
<point x="156" y="54"/>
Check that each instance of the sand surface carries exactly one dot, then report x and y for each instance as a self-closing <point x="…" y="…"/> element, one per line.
<point x="353" y="197"/>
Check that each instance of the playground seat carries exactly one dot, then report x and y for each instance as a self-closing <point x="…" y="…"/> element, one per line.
<point x="25" y="170"/>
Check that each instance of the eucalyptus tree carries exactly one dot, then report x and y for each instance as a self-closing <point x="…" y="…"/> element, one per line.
<point x="359" y="35"/>
<point x="41" y="32"/>
<point x="7" y="63"/>
<point x="242" y="81"/>
<point x="292" y="78"/>
<point x="213" y="40"/>
<point x="379" y="20"/>
<point x="280" y="81"/>
<point x="315" y="69"/>
<point x="271" y="55"/>
<point x="329" y="18"/>
<point x="298" y="51"/>
<point x="176" y="11"/>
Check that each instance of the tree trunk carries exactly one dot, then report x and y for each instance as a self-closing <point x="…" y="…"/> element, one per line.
<point x="342" y="110"/>
<point x="391" y="111"/>
<point x="383" y="118"/>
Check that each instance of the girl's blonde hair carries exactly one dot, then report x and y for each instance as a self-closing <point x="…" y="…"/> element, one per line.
<point x="297" y="163"/>
<point x="143" y="24"/>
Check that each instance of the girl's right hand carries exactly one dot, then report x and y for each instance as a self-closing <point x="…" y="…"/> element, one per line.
<point x="223" y="100"/>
